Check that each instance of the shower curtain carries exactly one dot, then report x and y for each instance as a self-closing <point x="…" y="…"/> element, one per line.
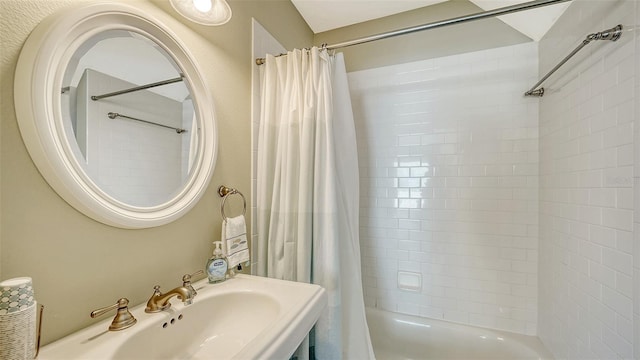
<point x="307" y="193"/>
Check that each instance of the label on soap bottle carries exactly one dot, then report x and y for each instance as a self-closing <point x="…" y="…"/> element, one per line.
<point x="217" y="270"/>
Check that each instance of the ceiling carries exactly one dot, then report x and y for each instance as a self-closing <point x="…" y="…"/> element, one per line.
<point x="324" y="15"/>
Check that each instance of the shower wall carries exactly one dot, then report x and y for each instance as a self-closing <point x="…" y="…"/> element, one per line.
<point x="586" y="186"/>
<point x="448" y="152"/>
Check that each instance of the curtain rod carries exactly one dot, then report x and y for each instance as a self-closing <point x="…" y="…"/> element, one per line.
<point x="457" y="20"/>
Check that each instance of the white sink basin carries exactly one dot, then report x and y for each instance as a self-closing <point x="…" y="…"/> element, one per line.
<point x="247" y="317"/>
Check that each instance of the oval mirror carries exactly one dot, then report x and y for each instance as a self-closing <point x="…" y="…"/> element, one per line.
<point x="116" y="115"/>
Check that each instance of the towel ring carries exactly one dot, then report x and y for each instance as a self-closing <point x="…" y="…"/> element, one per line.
<point x="225" y="192"/>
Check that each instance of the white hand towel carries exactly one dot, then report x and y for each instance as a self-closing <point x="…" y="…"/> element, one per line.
<point x="234" y="233"/>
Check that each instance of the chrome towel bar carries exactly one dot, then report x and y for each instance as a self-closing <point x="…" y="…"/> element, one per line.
<point x="612" y="34"/>
<point x="113" y="115"/>
<point x="137" y="88"/>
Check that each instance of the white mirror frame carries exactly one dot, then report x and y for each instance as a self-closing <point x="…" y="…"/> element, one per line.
<point x="37" y="90"/>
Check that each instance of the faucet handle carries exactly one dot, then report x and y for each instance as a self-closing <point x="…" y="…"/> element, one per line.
<point x="123" y="318"/>
<point x="186" y="278"/>
<point x="152" y="305"/>
<point x="186" y="282"/>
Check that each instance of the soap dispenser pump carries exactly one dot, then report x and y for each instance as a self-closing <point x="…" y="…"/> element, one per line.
<point x="217" y="265"/>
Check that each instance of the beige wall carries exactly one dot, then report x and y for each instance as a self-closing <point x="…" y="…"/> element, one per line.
<point x="450" y="40"/>
<point x="78" y="264"/>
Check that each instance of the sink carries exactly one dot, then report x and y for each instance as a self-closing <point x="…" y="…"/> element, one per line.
<point x="236" y="319"/>
<point x="246" y="317"/>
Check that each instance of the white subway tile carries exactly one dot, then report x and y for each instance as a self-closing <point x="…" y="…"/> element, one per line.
<point x="624" y="284"/>
<point x="625" y="155"/>
<point x="623" y="305"/>
<point x="601" y="350"/>
<point x="624" y="327"/>
<point x="622" y="347"/>
<point x="619" y="94"/>
<point x="602" y="197"/>
<point x="624" y="243"/>
<point x="620" y="177"/>
<point x="473" y="211"/>
<point x="602" y="235"/>
<point x="624" y="199"/>
<point x="618" y="261"/>
<point x="618" y="218"/>
<point x="590" y="214"/>
<point x="591" y="251"/>
<point x="602" y="274"/>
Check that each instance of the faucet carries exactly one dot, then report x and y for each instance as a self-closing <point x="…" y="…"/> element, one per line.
<point x="160" y="301"/>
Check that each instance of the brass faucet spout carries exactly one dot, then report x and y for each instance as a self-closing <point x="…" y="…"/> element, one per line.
<point x="160" y="301"/>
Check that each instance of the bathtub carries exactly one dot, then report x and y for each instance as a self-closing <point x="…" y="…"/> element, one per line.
<point x="397" y="336"/>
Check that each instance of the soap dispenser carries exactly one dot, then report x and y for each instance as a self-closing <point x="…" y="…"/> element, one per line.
<point x="217" y="265"/>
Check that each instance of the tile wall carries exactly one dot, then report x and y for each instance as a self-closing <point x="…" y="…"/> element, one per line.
<point x="586" y="293"/>
<point x="448" y="152"/>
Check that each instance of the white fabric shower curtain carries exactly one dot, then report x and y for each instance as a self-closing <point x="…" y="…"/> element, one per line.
<point x="308" y="190"/>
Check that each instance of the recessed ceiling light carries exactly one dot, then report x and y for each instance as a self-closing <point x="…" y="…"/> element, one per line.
<point x="204" y="12"/>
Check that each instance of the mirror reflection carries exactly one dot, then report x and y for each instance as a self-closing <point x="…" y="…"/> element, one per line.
<point x="129" y="117"/>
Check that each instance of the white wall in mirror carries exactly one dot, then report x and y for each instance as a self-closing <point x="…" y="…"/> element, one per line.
<point x="135" y="162"/>
<point x="119" y="53"/>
